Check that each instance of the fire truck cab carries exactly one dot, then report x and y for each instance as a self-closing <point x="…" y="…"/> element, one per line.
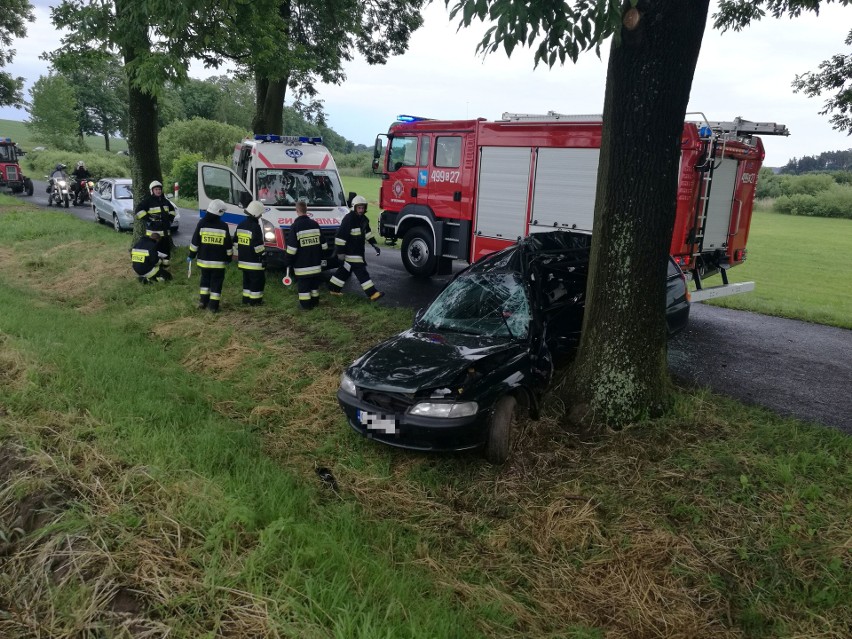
<point x="457" y="190"/>
<point x="12" y="179"/>
<point x="277" y="171"/>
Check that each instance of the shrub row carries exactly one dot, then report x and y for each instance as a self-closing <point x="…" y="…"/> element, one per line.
<point x="836" y="201"/>
<point x="100" y="165"/>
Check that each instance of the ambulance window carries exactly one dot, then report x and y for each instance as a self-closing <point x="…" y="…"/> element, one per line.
<point x="424" y="151"/>
<point x="448" y="152"/>
<point x="403" y="152"/>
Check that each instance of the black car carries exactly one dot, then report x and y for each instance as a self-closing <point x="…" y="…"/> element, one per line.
<point x="488" y="342"/>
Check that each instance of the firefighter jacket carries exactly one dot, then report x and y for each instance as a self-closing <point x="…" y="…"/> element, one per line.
<point x="305" y="247"/>
<point x="249" y="243"/>
<point x="145" y="258"/>
<point x="157" y="213"/>
<point x="353" y="233"/>
<point x="211" y="243"/>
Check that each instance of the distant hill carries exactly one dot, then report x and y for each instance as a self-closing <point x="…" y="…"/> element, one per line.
<point x="19" y="133"/>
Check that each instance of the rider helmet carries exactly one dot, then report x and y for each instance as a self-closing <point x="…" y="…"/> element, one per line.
<point x="255" y="208"/>
<point x="81" y="164"/>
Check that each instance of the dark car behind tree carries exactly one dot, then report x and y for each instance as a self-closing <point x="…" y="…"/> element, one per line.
<point x="488" y="344"/>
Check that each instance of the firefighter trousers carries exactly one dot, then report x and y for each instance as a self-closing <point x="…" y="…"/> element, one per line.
<point x="348" y="268"/>
<point x="254" y="281"/>
<point x="210" y="291"/>
<point x="308" y="287"/>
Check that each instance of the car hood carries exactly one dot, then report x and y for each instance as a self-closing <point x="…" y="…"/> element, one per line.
<point x="414" y="361"/>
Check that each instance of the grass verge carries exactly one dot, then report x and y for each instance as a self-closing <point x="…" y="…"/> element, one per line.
<point x="159" y="475"/>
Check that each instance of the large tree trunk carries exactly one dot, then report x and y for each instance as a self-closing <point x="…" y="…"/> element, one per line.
<point x="142" y="142"/>
<point x="621" y="372"/>
<point x="269" y="105"/>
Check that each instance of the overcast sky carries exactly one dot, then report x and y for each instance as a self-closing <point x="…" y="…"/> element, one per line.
<point x="745" y="74"/>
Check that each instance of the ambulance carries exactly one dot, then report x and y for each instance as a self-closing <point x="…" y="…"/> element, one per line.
<point x="277" y="171"/>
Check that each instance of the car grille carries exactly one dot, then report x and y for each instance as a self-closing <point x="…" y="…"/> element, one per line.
<point x="386" y="401"/>
<point x="11" y="173"/>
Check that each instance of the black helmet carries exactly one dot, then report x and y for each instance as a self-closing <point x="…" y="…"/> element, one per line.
<point x="60" y="167"/>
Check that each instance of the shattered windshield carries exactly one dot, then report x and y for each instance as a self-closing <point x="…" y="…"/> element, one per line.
<point x="285" y="187"/>
<point x="123" y="192"/>
<point x="491" y="304"/>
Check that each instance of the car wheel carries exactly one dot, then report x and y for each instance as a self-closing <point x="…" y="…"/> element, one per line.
<point x="417" y="255"/>
<point x="115" y="223"/>
<point x="95" y="213"/>
<point x="498" y="446"/>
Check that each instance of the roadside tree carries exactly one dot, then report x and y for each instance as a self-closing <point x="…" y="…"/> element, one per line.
<point x="54" y="118"/>
<point x="620" y="375"/>
<point x="13" y="18"/>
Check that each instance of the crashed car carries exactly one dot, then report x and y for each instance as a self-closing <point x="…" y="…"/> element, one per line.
<point x="487" y="344"/>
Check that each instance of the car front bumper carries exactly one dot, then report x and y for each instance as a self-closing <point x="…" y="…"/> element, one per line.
<point x="414" y="432"/>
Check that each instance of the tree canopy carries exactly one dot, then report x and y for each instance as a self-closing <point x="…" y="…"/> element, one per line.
<point x="13" y="18"/>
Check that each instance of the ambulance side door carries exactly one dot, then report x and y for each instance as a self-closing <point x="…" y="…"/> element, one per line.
<point x="219" y="182"/>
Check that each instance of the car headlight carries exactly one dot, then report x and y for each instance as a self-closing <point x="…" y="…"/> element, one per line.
<point x="347" y="385"/>
<point x="268" y="231"/>
<point x="445" y="409"/>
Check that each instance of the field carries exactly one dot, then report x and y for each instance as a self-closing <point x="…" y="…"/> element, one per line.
<point x="162" y="473"/>
<point x="801" y="269"/>
<point x="19" y="133"/>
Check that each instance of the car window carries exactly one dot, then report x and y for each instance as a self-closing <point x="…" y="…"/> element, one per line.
<point x="123" y="192"/>
<point x="106" y="190"/>
<point x="492" y="304"/>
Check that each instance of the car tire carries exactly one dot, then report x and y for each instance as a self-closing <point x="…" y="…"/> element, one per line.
<point x="95" y="213"/>
<point x="498" y="446"/>
<point x="417" y="255"/>
<point x="115" y="223"/>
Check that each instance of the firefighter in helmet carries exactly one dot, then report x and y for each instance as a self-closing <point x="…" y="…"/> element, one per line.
<point x="147" y="260"/>
<point x="352" y="236"/>
<point x="248" y="239"/>
<point x="305" y="248"/>
<point x="157" y="212"/>
<point x="212" y="249"/>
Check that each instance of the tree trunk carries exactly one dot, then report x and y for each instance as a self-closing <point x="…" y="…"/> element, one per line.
<point x="106" y="126"/>
<point x="142" y="142"/>
<point x="620" y="374"/>
<point x="269" y="105"/>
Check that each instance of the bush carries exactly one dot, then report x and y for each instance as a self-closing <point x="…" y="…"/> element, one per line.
<point x="100" y="165"/>
<point x="213" y="141"/>
<point x="185" y="172"/>
<point x="833" y="202"/>
<point x="355" y="164"/>
<point x="809" y="184"/>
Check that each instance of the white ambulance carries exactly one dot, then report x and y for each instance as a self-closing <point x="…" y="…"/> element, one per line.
<point x="278" y="171"/>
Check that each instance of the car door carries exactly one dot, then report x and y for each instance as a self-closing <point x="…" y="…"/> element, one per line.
<point x="217" y="182"/>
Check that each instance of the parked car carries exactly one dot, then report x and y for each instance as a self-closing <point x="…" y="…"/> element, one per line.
<point x="489" y="342"/>
<point x="112" y="202"/>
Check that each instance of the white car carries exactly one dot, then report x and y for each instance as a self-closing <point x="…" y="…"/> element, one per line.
<point x="112" y="202"/>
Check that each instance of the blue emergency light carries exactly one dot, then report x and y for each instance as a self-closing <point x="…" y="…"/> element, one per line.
<point x="5" y="139"/>
<point x="705" y="132"/>
<point x="267" y="137"/>
<point x="409" y="118"/>
<point x="307" y="140"/>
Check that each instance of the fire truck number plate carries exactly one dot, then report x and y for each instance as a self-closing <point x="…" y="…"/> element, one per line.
<point x="446" y="176"/>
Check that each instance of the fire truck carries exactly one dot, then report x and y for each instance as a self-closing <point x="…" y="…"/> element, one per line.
<point x="277" y="171"/>
<point x="457" y="190"/>
<point x="11" y="177"/>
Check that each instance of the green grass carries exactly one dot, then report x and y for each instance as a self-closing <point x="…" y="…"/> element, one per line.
<point x="164" y="459"/>
<point x="20" y="133"/>
<point x="800" y="267"/>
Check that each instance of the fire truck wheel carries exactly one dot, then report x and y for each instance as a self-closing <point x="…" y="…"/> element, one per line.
<point x="417" y="254"/>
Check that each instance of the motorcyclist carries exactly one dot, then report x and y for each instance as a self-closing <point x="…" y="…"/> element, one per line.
<point x="81" y="175"/>
<point x="157" y="212"/>
<point x="58" y="174"/>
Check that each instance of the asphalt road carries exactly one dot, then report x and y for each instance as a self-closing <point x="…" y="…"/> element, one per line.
<point x="794" y="368"/>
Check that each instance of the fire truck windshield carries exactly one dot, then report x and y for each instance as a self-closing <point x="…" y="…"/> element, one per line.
<point x="285" y="187"/>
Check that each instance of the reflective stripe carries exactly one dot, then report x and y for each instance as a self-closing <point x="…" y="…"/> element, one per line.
<point x="193" y="248"/>
<point x="308" y="233"/>
<point x="367" y="284"/>
<point x="260" y="248"/>
<point x="256" y="295"/>
<point x="152" y="272"/>
<point x="355" y="232"/>
<point x="244" y="238"/>
<point x="308" y="270"/>
<point x="355" y="259"/>
<point x="335" y="281"/>
<point x="291" y="250"/>
<point x="139" y="255"/>
<point x="211" y="264"/>
<point x="215" y="296"/>
<point x="314" y="293"/>
<point x="347" y="266"/>
<point x="204" y="291"/>
<point x="339" y="241"/>
<point x="250" y="266"/>
<point x="304" y="296"/>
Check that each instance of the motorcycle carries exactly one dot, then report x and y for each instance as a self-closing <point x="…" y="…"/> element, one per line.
<point x="58" y="192"/>
<point x="84" y="191"/>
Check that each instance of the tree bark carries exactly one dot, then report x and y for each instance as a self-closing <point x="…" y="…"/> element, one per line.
<point x="269" y="106"/>
<point x="620" y="374"/>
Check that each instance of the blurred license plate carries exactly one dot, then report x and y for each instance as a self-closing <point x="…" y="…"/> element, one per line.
<point x="378" y="422"/>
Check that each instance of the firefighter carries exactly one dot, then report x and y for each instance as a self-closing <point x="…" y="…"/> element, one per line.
<point x="353" y="234"/>
<point x="248" y="239"/>
<point x="212" y="248"/>
<point x="305" y="249"/>
<point x="157" y="213"/>
<point x="147" y="260"/>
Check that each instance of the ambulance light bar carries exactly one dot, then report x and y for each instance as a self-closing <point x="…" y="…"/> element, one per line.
<point x="287" y="139"/>
<point x="5" y="139"/>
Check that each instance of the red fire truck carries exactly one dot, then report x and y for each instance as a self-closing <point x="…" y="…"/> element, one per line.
<point x="457" y="190"/>
<point x="11" y="178"/>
